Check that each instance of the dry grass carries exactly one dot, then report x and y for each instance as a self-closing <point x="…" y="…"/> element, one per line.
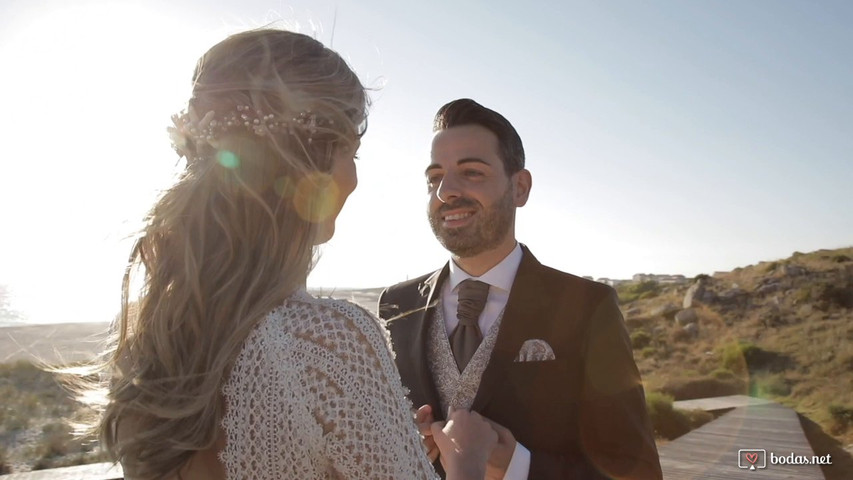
<point x="34" y="422"/>
<point x="787" y="337"/>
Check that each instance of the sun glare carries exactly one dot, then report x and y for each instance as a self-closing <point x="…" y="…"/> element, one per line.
<point x="92" y="88"/>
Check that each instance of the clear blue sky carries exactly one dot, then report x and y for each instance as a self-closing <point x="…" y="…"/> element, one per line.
<point x="663" y="136"/>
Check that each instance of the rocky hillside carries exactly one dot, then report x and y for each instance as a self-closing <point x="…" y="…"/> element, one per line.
<point x="780" y="329"/>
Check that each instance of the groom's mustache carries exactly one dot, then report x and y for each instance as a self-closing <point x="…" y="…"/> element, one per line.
<point x="460" y="202"/>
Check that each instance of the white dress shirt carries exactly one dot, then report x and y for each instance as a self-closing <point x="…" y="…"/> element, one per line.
<point x="499" y="278"/>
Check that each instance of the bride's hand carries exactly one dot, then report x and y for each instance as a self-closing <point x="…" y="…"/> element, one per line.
<point x="465" y="442"/>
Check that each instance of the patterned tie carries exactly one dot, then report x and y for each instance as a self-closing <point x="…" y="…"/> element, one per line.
<point x="467" y="336"/>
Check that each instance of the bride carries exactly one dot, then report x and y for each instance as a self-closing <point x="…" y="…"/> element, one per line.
<point x="227" y="368"/>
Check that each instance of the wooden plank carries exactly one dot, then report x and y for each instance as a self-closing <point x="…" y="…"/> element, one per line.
<point x="711" y="451"/>
<point x="719" y="403"/>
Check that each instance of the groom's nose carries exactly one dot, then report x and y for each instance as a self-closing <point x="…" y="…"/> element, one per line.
<point x="448" y="189"/>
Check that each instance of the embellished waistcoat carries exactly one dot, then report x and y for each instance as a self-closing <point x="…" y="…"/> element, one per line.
<point x="455" y="388"/>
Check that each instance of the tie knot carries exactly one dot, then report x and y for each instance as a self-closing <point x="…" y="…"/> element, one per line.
<point x="472" y="300"/>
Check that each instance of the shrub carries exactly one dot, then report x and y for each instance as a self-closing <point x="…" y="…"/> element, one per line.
<point x="648" y="352"/>
<point x="842" y="416"/>
<point x="802" y="295"/>
<point x="738" y="356"/>
<point x="628" y="292"/>
<point x="667" y="422"/>
<point x="831" y="295"/>
<point x="769" y="385"/>
<point x="723" y="374"/>
<point x="640" y="339"/>
<point x="686" y="389"/>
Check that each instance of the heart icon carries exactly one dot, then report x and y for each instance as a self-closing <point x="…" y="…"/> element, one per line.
<point x="752" y="457"/>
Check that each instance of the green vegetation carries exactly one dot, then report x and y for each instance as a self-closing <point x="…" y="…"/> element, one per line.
<point x="793" y="345"/>
<point x="689" y="387"/>
<point x="723" y="374"/>
<point x="769" y="385"/>
<point x="669" y="422"/>
<point x="736" y="356"/>
<point x="842" y="416"/>
<point x="628" y="292"/>
<point x="640" y="339"/>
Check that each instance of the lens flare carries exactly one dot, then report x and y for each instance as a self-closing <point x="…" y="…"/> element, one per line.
<point x="284" y="187"/>
<point x="316" y="197"/>
<point x="228" y="159"/>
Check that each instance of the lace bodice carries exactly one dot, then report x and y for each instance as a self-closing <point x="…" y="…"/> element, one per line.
<point x="315" y="394"/>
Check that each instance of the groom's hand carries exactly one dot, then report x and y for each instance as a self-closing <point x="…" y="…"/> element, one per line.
<point x="423" y="419"/>
<point x="502" y="453"/>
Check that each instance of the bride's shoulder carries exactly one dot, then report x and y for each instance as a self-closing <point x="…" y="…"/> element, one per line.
<point x="304" y="309"/>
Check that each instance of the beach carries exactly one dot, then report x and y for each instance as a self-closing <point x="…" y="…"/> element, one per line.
<point x="64" y="343"/>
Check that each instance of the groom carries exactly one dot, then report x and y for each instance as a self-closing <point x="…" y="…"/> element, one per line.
<point x="541" y="353"/>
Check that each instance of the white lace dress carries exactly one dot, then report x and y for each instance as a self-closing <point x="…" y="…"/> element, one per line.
<point x="315" y="394"/>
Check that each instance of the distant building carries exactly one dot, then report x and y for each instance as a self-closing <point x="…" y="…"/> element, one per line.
<point x="665" y="279"/>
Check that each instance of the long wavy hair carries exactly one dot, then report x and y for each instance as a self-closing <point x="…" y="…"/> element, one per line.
<point x="226" y="244"/>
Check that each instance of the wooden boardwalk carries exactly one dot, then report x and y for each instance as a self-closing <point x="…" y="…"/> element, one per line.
<point x="711" y="451"/>
<point x="720" y="403"/>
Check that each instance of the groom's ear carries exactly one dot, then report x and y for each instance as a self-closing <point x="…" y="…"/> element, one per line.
<point x="522" y="181"/>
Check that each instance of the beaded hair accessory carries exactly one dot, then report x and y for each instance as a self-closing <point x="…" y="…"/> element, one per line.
<point x="210" y="127"/>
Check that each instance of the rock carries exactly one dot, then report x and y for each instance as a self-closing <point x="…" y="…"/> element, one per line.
<point x="794" y="270"/>
<point x="694" y="294"/>
<point x="732" y="295"/>
<point x="692" y="329"/>
<point x="668" y="311"/>
<point x="769" y="287"/>
<point x="708" y="297"/>
<point x="686" y="316"/>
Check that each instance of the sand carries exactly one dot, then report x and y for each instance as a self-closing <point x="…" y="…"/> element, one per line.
<point x="63" y="343"/>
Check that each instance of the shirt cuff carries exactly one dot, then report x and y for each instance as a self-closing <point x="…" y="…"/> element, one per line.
<point x="519" y="464"/>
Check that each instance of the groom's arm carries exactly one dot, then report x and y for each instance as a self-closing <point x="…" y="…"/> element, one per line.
<point x="615" y="428"/>
<point x="615" y="431"/>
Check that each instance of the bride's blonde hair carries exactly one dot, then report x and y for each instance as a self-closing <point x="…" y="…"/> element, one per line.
<point x="229" y="241"/>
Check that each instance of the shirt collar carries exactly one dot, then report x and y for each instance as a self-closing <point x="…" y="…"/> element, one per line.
<point x="500" y="276"/>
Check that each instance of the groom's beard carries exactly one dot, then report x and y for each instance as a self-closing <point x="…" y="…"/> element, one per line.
<point x="488" y="229"/>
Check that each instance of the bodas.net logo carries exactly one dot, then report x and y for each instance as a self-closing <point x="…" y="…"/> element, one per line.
<point x="752" y="458"/>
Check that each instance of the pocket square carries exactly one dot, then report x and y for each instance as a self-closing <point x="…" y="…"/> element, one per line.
<point x="535" y="350"/>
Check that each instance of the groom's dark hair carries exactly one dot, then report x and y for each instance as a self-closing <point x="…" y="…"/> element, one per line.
<point x="465" y="111"/>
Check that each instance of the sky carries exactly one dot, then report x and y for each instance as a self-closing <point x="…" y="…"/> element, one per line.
<point x="662" y="136"/>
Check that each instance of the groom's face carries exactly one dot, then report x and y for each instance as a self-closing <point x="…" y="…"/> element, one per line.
<point x="471" y="198"/>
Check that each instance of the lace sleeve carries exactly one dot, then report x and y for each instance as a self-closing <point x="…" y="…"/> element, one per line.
<point x="371" y="433"/>
<point x="315" y="394"/>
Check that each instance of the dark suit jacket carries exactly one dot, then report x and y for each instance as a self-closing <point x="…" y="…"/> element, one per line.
<point x="582" y="415"/>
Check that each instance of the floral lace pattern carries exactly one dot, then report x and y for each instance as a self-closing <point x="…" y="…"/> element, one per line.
<point x="315" y="394"/>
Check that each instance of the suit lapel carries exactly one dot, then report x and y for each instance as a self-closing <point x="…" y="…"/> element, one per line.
<point x="524" y="308"/>
<point x="430" y="292"/>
